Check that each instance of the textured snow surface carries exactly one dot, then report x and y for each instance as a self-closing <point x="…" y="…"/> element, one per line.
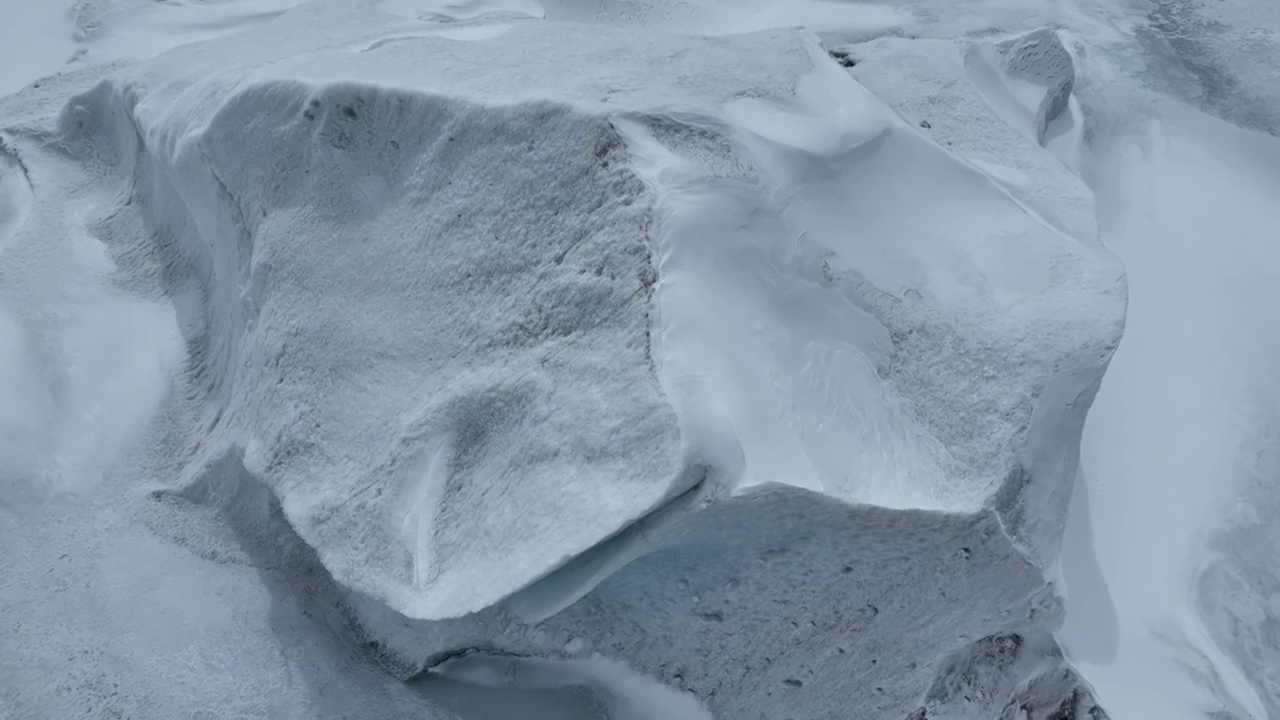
<point x="600" y="360"/>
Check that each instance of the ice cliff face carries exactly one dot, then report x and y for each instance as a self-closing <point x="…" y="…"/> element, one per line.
<point x="740" y="377"/>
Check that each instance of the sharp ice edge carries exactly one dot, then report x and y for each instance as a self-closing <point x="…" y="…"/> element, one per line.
<point x="858" y="507"/>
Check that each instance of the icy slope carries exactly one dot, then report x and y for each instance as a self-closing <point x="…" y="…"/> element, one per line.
<point x="1170" y="537"/>
<point x="1169" y="559"/>
<point x="737" y="376"/>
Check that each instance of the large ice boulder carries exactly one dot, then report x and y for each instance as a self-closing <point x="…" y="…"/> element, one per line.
<point x="557" y="340"/>
<point x="1029" y="78"/>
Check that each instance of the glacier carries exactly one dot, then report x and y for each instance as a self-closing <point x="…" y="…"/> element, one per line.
<point x="515" y="349"/>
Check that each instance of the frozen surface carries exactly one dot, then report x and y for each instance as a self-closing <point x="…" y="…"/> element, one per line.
<point x="633" y="359"/>
<point x="38" y="39"/>
<point x="1179" y="527"/>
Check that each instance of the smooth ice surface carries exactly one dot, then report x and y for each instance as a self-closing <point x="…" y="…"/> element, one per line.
<point x="1170" y="520"/>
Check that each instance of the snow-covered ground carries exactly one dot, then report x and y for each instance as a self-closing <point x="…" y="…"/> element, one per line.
<point x="639" y="359"/>
<point x="1172" y="609"/>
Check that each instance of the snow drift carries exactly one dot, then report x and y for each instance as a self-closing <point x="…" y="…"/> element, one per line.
<point x="738" y="377"/>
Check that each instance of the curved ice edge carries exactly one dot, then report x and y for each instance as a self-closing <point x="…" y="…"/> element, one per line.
<point x="562" y="586"/>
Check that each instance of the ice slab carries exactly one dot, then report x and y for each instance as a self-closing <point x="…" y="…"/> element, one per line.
<point x="736" y="376"/>
<point x="1029" y="78"/>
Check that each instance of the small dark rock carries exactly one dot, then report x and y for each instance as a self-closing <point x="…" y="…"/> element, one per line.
<point x="843" y="58"/>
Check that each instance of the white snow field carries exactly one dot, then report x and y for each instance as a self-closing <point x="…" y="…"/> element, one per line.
<point x="634" y="359"/>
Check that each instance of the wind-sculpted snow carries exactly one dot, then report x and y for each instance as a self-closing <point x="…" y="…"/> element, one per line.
<point x="553" y="340"/>
<point x="943" y="87"/>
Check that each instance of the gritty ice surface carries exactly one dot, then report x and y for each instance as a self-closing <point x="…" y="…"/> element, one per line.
<point x="539" y="355"/>
<point x="624" y="359"/>
<point x="426" y="316"/>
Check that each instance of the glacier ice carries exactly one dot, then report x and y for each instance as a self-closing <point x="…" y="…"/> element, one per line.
<point x="555" y="340"/>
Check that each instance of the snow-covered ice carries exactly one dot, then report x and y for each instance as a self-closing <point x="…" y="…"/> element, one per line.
<point x="1179" y="449"/>
<point x="625" y="360"/>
